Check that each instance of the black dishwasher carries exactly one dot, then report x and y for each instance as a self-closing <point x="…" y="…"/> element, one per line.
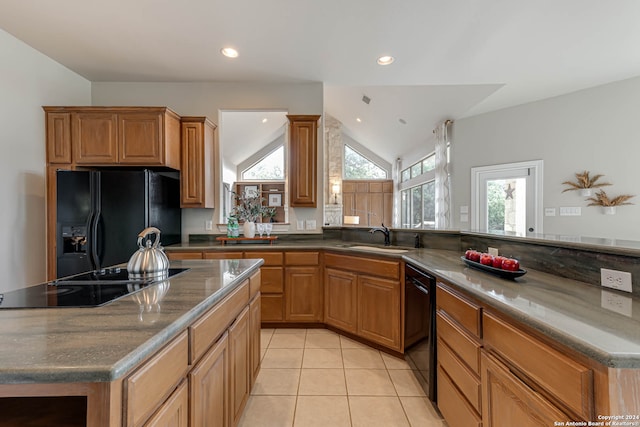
<point x="420" y="327"/>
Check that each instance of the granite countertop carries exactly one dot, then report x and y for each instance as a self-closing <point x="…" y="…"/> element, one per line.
<point x="104" y="343"/>
<point x="601" y="324"/>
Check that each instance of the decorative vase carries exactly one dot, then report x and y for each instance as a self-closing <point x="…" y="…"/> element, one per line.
<point x="609" y="210"/>
<point x="585" y="192"/>
<point x="249" y="229"/>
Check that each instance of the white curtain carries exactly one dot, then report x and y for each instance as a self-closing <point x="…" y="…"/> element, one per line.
<point x="443" y="201"/>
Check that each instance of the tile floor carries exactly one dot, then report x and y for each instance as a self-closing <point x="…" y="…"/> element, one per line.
<point x="315" y="377"/>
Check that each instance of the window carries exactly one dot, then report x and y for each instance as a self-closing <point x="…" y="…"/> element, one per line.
<point x="270" y="167"/>
<point x="418" y="194"/>
<point x="356" y="166"/>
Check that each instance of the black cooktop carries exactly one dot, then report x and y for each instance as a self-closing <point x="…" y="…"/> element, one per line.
<point x="91" y="289"/>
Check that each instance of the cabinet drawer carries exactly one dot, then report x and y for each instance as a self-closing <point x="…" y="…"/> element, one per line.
<point x="150" y="385"/>
<point x="184" y="255"/>
<point x="272" y="280"/>
<point x="567" y="380"/>
<point x="302" y="258"/>
<point x="465" y="347"/>
<point x="222" y="255"/>
<point x="270" y="258"/>
<point x="175" y="411"/>
<point x="462" y="311"/>
<point x="455" y="409"/>
<point x="375" y="267"/>
<point x="254" y="284"/>
<point x="464" y="379"/>
<point x="204" y="331"/>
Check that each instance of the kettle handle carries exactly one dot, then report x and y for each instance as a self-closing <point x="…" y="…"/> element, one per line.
<point x="147" y="231"/>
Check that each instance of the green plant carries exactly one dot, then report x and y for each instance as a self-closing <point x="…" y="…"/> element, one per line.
<point x="249" y="208"/>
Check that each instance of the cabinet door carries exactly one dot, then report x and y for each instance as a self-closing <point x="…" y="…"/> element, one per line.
<point x="272" y="307"/>
<point x="140" y="137"/>
<point x="239" y="370"/>
<point x="341" y="299"/>
<point x="174" y="412"/>
<point x="59" y="138"/>
<point x="303" y="147"/>
<point x="379" y="311"/>
<point x="507" y="401"/>
<point x="254" y="336"/>
<point x="303" y="294"/>
<point x="95" y="138"/>
<point x="197" y="163"/>
<point x="175" y="255"/>
<point x="209" y="386"/>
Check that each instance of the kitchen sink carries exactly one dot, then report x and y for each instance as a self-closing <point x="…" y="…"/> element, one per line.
<point x="379" y="249"/>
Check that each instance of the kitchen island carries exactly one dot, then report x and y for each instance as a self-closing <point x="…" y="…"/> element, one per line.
<point x="100" y="365"/>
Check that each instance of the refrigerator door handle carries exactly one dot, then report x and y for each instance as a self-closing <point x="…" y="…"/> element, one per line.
<point x="95" y="259"/>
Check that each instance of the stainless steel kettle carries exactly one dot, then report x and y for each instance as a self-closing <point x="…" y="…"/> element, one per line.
<point x="150" y="261"/>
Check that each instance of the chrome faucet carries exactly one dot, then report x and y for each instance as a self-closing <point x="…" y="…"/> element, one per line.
<point x="384" y="230"/>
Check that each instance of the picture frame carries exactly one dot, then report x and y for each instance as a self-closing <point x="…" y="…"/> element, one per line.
<point x="275" y="200"/>
<point x="251" y="191"/>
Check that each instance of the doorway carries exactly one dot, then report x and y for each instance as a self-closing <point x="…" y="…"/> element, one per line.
<point x="507" y="198"/>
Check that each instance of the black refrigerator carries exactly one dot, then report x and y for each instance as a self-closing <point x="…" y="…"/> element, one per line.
<point x="100" y="214"/>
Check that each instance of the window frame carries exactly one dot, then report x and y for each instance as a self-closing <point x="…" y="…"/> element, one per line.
<point x="284" y="165"/>
<point x="344" y="177"/>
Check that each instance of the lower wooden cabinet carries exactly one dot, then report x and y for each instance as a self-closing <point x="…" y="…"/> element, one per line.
<point x="177" y="255"/>
<point x="175" y="411"/>
<point x="341" y="299"/>
<point x="510" y="402"/>
<point x="254" y="329"/>
<point x="240" y="372"/>
<point x="303" y="294"/>
<point x="209" y="387"/>
<point x="379" y="311"/>
<point x="454" y="407"/>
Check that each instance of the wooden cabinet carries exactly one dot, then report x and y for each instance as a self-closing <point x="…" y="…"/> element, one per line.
<point x="510" y="402"/>
<point x="379" y="310"/>
<point x="209" y="387"/>
<point x="363" y="295"/>
<point x="540" y="368"/>
<point x="303" y="159"/>
<point x="197" y="169"/>
<point x="341" y="299"/>
<point x="371" y="200"/>
<point x="58" y="138"/>
<point x="175" y="411"/>
<point x="240" y="369"/>
<point x="107" y="136"/>
<point x="303" y="287"/>
<point x="459" y="329"/>
<point x="151" y="384"/>
<point x="255" y="325"/>
<point x="272" y="285"/>
<point x="177" y="255"/>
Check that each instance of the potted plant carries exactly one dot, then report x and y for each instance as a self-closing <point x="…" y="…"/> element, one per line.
<point x="248" y="209"/>
<point x="609" y="204"/>
<point x="584" y="183"/>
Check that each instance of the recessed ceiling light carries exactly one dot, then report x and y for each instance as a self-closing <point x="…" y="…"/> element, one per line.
<point x="229" y="52"/>
<point x="385" y="60"/>
<point x="358" y="119"/>
<point x="265" y="120"/>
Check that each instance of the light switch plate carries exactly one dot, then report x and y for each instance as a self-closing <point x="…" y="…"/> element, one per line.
<point x="208" y="225"/>
<point x="300" y="224"/>
<point x="570" y="211"/>
<point x="549" y="211"/>
<point x="310" y="224"/>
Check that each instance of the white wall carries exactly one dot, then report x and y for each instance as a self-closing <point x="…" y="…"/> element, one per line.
<point x="208" y="99"/>
<point x="596" y="129"/>
<point x="28" y="80"/>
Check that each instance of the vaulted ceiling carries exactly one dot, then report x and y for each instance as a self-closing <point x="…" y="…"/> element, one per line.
<point x="453" y="58"/>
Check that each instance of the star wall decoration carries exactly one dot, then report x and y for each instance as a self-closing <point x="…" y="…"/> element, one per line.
<point x="509" y="192"/>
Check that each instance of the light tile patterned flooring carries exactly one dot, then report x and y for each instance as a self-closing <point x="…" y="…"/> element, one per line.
<point x="315" y="377"/>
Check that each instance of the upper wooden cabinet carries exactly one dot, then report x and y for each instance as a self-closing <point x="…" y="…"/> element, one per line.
<point x="197" y="170"/>
<point x="106" y="136"/>
<point x="303" y="155"/>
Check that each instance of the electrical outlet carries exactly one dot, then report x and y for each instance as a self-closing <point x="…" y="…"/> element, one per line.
<point x="614" y="279"/>
<point x="300" y="224"/>
<point x="492" y="251"/>
<point x="618" y="303"/>
<point x="208" y="225"/>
